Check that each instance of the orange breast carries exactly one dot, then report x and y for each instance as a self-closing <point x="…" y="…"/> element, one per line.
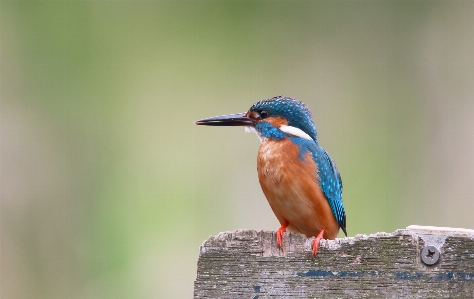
<point x="292" y="189"/>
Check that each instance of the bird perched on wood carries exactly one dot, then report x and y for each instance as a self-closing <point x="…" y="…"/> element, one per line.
<point x="297" y="176"/>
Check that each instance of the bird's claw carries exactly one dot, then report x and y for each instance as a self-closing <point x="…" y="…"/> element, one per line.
<point x="315" y="244"/>
<point x="279" y="233"/>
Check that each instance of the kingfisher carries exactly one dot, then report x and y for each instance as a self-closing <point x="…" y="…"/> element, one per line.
<point x="298" y="177"/>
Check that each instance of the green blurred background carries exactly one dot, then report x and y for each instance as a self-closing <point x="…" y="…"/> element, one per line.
<point x="108" y="188"/>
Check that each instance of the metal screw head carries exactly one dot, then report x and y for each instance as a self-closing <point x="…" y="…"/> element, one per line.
<point x="430" y="255"/>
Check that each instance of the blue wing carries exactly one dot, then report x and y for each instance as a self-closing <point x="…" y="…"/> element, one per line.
<point x="331" y="184"/>
<point x="329" y="178"/>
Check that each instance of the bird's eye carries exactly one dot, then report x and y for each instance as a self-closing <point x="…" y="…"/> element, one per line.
<point x="263" y="114"/>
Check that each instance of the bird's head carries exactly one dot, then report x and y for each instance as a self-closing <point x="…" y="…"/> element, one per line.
<point x="275" y="117"/>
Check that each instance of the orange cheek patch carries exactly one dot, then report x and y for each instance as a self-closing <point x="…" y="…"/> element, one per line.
<point x="276" y="121"/>
<point x="252" y="114"/>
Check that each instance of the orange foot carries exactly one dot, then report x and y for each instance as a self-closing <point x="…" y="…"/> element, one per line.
<point x="280" y="232"/>
<point x="316" y="240"/>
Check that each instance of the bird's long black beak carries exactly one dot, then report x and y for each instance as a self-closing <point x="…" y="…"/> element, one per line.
<point x="239" y="119"/>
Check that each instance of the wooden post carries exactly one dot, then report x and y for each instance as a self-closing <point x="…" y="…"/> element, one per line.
<point x="249" y="264"/>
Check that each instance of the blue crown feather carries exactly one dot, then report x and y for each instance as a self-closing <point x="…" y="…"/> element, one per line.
<point x="296" y="112"/>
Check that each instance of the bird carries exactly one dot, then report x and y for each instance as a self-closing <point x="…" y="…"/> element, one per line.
<point x="298" y="177"/>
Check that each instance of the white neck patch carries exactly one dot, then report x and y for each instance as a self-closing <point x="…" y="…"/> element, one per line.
<point x="295" y="132"/>
<point x="249" y="129"/>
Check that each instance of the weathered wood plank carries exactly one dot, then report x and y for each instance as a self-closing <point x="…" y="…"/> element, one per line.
<point x="248" y="264"/>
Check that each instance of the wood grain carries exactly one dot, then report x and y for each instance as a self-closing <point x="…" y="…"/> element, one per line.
<point x="248" y="264"/>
